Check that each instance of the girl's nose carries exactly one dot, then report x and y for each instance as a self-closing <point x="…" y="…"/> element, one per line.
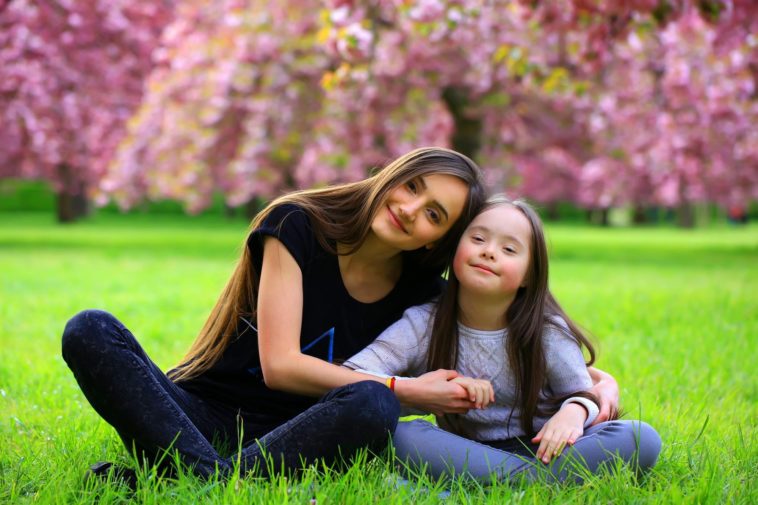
<point x="487" y="252"/>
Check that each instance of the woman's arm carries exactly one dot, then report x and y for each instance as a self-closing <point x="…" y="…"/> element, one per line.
<point x="606" y="389"/>
<point x="284" y="367"/>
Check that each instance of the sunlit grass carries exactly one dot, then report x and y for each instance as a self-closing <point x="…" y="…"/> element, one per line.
<point x="674" y="313"/>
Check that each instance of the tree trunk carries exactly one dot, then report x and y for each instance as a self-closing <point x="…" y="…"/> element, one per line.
<point x="639" y="215"/>
<point x="71" y="203"/>
<point x="552" y="211"/>
<point x="253" y="207"/>
<point x="600" y="216"/>
<point x="686" y="214"/>
<point x="605" y="214"/>
<point x="229" y="211"/>
<point x="468" y="128"/>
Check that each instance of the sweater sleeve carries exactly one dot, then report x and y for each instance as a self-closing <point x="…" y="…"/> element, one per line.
<point x="400" y="349"/>
<point x="566" y="368"/>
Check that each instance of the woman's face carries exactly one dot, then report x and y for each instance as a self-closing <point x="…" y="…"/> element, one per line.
<point x="419" y="212"/>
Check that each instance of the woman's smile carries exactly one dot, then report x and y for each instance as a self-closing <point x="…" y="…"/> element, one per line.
<point x="395" y="220"/>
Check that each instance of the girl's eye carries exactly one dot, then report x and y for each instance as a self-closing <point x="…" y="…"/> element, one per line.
<point x="434" y="216"/>
<point x="412" y="186"/>
<point x="509" y="249"/>
<point x="477" y="238"/>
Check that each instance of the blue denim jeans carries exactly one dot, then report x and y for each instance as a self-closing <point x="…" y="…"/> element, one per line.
<point x="151" y="413"/>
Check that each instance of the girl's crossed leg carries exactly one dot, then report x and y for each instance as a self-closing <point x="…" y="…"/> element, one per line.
<point x="423" y="445"/>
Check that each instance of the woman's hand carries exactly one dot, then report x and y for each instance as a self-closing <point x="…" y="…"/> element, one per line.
<point x="479" y="390"/>
<point x="435" y="392"/>
<point x="606" y="389"/>
<point x="564" y="428"/>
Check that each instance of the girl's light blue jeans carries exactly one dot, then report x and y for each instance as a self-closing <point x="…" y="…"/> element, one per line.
<point x="423" y="446"/>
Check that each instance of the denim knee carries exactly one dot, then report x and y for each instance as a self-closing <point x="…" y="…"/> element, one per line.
<point x="85" y="332"/>
<point x="648" y="443"/>
<point x="371" y="406"/>
<point x="637" y="441"/>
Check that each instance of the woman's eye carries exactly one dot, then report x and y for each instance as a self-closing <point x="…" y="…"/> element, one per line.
<point x="434" y="216"/>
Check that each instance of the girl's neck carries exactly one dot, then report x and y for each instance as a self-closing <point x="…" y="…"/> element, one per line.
<point x="482" y="312"/>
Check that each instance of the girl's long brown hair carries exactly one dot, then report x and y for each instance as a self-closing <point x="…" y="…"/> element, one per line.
<point x="338" y="214"/>
<point x="532" y="310"/>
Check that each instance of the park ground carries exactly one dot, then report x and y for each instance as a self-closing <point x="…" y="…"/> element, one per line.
<point x="674" y="313"/>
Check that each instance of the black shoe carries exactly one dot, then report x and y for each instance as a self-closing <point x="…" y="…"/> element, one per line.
<point x="120" y="473"/>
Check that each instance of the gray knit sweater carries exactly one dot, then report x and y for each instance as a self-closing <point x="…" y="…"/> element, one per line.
<point x="402" y="348"/>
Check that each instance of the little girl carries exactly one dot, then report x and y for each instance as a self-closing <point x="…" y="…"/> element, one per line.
<point x="498" y="321"/>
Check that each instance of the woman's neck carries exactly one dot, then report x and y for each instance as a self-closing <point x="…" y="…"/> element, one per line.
<point x="373" y="255"/>
<point x="371" y="272"/>
<point x="482" y="312"/>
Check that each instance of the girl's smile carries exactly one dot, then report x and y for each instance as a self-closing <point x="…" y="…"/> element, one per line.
<point x="484" y="269"/>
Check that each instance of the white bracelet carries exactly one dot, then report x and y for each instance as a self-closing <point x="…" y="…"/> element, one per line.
<point x="592" y="410"/>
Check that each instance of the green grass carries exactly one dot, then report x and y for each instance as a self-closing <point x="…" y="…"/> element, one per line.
<point x="674" y="312"/>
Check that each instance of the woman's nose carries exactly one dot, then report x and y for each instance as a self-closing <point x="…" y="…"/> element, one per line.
<point x="408" y="211"/>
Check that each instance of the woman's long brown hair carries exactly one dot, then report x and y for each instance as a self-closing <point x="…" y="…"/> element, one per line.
<point x="339" y="214"/>
<point x="533" y="309"/>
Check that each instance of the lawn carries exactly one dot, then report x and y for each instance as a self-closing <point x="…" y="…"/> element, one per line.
<point x="674" y="314"/>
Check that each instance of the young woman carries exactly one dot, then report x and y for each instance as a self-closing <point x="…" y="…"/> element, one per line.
<point x="322" y="273"/>
<point x="497" y="321"/>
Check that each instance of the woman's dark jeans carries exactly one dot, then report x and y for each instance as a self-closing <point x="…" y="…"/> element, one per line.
<point x="151" y="413"/>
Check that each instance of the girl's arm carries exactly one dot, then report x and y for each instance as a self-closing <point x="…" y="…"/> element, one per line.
<point x="401" y="349"/>
<point x="606" y="389"/>
<point x="563" y="429"/>
<point x="284" y="367"/>
<point x="566" y="374"/>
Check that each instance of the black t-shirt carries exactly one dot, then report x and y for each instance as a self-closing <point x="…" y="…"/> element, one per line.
<point x="334" y="325"/>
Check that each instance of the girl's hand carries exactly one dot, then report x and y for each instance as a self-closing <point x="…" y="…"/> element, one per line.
<point x="480" y="391"/>
<point x="564" y="428"/>
<point x="606" y="389"/>
<point x="435" y="392"/>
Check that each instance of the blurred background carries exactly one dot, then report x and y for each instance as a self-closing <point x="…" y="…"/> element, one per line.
<point x="608" y="111"/>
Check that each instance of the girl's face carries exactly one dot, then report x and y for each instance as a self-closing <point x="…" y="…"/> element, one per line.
<point x="421" y="211"/>
<point x="493" y="255"/>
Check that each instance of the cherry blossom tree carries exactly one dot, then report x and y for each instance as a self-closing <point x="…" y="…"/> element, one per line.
<point x="641" y="102"/>
<point x="673" y="120"/>
<point x="576" y="101"/>
<point x="71" y="74"/>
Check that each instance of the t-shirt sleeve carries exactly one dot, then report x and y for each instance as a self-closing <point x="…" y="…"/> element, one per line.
<point x="566" y="368"/>
<point x="401" y="349"/>
<point x="292" y="227"/>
